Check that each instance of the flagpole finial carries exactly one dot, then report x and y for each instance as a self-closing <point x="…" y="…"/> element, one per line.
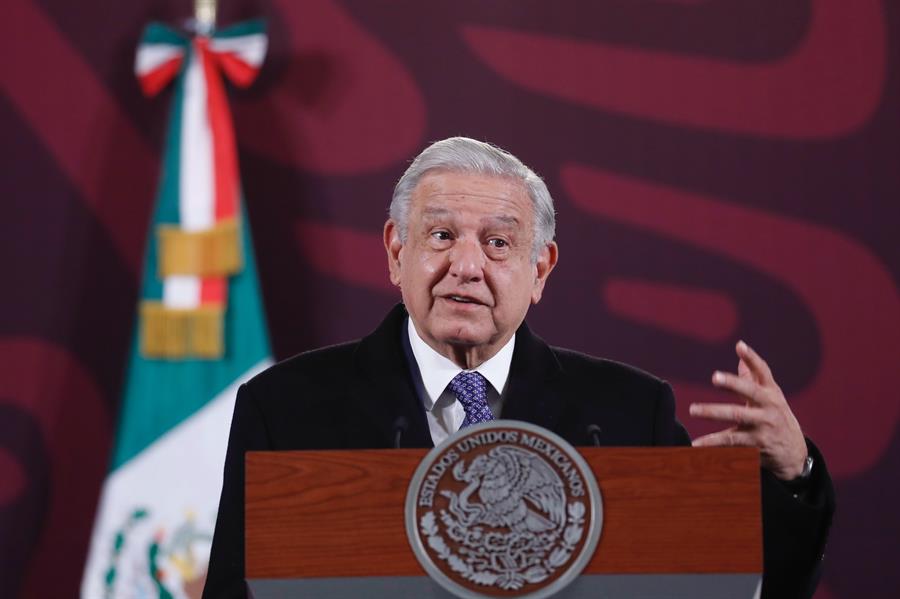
<point x="205" y="15"/>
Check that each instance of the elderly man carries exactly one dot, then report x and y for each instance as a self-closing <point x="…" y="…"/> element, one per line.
<point x="470" y="245"/>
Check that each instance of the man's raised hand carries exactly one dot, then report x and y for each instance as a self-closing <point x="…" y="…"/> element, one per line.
<point x="764" y="421"/>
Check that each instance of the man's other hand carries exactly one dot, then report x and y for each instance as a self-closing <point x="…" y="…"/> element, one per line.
<point x="765" y="420"/>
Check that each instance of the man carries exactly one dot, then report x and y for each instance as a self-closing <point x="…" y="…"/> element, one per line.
<point x="470" y="245"/>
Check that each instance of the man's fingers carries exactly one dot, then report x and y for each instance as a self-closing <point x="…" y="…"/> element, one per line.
<point x="726" y="438"/>
<point x="746" y="387"/>
<point x="756" y="364"/>
<point x="728" y="412"/>
<point x="744" y="370"/>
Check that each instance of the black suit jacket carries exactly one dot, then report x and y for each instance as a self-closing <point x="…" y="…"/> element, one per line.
<point x="352" y="396"/>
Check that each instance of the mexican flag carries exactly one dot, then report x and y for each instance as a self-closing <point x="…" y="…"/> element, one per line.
<point x="200" y="330"/>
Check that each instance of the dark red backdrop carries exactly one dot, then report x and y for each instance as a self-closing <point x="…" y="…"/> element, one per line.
<point x="722" y="169"/>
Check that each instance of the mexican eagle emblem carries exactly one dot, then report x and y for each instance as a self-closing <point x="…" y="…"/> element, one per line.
<point x="503" y="506"/>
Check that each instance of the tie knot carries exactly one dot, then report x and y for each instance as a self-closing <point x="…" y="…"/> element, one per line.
<point x="468" y="384"/>
<point x="470" y="388"/>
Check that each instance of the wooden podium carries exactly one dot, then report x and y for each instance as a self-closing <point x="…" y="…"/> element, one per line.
<point x="677" y="522"/>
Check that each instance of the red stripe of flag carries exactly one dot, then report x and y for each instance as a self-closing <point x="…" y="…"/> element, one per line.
<point x="224" y="154"/>
<point x="154" y="80"/>
<point x="239" y="72"/>
<point x="214" y="290"/>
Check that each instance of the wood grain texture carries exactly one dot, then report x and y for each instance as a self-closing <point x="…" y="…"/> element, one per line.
<point x="340" y="513"/>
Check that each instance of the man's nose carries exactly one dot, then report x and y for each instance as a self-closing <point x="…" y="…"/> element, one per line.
<point x="467" y="261"/>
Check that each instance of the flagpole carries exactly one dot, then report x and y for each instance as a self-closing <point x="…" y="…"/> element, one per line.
<point x="205" y="16"/>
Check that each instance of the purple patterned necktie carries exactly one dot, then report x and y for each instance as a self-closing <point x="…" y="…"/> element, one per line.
<point x="470" y="388"/>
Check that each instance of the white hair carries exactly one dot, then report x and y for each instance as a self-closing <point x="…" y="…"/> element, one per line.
<point x="463" y="154"/>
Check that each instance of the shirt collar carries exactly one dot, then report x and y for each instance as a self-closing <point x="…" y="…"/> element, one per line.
<point x="437" y="370"/>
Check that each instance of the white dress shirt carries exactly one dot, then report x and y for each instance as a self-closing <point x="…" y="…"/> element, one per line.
<point x="444" y="412"/>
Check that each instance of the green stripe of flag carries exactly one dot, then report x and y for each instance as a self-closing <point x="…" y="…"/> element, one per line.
<point x="157" y="33"/>
<point x="245" y="28"/>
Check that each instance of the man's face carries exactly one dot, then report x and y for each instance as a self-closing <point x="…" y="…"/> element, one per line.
<point x="465" y="271"/>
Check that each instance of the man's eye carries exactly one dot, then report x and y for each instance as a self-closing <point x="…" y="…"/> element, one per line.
<point x="441" y="235"/>
<point x="497" y="243"/>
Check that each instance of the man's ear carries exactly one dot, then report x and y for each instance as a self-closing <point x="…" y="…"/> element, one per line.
<point x="394" y="247"/>
<point x="545" y="263"/>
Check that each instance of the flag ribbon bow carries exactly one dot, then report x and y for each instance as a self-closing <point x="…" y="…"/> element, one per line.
<point x="197" y="244"/>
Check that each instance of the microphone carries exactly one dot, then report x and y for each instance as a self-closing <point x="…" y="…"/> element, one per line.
<point x="594" y="431"/>
<point x="400" y="426"/>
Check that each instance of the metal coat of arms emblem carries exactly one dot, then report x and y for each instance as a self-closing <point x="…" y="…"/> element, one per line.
<point x="503" y="508"/>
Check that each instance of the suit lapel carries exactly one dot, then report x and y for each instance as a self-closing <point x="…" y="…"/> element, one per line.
<point x="531" y="394"/>
<point x="386" y="384"/>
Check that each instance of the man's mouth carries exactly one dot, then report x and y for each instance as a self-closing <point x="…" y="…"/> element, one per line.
<point x="461" y="299"/>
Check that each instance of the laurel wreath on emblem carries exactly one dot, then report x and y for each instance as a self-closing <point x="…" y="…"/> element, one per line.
<point x="520" y="532"/>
